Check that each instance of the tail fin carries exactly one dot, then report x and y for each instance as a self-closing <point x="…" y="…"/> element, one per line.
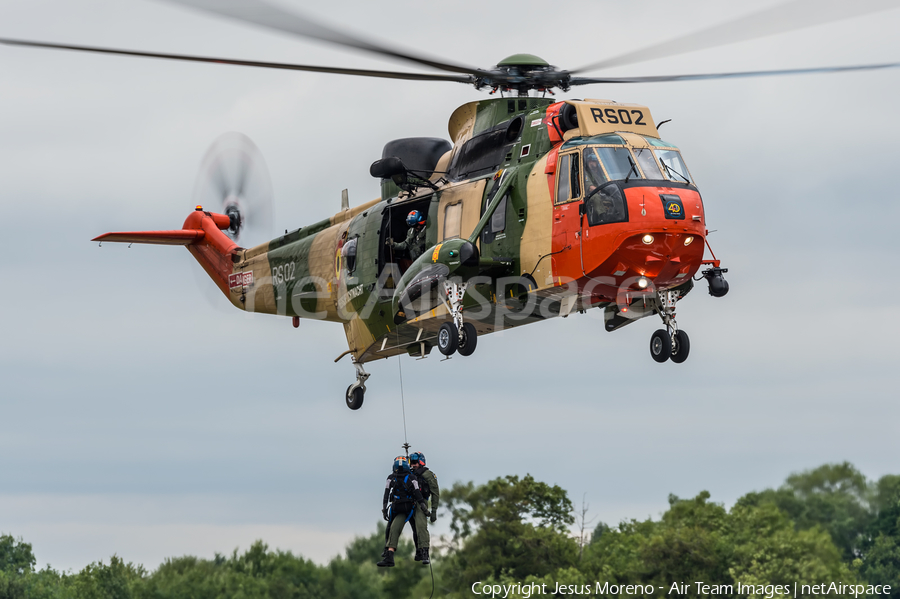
<point x="203" y="236"/>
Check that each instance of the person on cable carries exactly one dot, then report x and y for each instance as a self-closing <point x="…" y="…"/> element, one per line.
<point x="402" y="488"/>
<point x="414" y="245"/>
<point x="429" y="486"/>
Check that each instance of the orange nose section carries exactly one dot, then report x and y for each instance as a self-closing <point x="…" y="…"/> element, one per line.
<point x="662" y="240"/>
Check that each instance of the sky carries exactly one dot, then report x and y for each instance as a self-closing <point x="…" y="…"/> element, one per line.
<point x="141" y="415"/>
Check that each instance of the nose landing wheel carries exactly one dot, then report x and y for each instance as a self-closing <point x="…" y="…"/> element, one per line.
<point x="670" y="342"/>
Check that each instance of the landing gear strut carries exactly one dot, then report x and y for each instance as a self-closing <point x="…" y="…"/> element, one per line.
<point x="357" y="391"/>
<point x="669" y="342"/>
<point x="457" y="335"/>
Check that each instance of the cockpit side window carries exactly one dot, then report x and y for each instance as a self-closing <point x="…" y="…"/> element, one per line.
<point x="568" y="185"/>
<point x="606" y="205"/>
<point x="576" y="178"/>
<point x="562" y="185"/>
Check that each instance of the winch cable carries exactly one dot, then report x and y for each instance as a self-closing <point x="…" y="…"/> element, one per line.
<point x="400" y="373"/>
<point x="430" y="567"/>
<point x="399" y="361"/>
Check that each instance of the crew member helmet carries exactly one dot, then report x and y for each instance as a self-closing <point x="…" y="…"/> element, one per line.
<point x="417" y="456"/>
<point x="401" y="464"/>
<point x="414" y="218"/>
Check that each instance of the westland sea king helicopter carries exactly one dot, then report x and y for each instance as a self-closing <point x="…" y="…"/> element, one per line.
<point x="534" y="209"/>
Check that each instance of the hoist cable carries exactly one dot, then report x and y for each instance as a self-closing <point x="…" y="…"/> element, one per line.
<point x="399" y="361"/>
<point x="430" y="567"/>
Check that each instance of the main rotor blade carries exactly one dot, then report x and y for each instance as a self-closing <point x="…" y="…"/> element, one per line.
<point x="663" y="78"/>
<point x="247" y="63"/>
<point x="797" y="14"/>
<point x="267" y="15"/>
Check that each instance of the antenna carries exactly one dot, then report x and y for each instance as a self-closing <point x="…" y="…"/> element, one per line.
<point x="345" y="200"/>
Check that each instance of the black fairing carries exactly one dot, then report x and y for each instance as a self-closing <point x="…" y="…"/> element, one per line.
<point x="468" y="254"/>
<point x="417" y="153"/>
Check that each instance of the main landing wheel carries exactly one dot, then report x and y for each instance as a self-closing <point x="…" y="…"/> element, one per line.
<point x="469" y="339"/>
<point x="661" y="345"/>
<point x="681" y="347"/>
<point x="355" y="396"/>
<point x="448" y="339"/>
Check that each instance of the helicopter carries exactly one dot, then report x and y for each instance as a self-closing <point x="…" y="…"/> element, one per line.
<point x="535" y="209"/>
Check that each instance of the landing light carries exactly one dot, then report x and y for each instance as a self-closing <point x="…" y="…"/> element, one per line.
<point x="648" y="238"/>
<point x="643" y="282"/>
<point x="688" y="240"/>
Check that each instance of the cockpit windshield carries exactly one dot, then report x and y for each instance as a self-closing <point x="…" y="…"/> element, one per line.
<point x="605" y="163"/>
<point x="618" y="162"/>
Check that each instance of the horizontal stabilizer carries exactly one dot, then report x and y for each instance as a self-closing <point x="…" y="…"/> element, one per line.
<point x="179" y="237"/>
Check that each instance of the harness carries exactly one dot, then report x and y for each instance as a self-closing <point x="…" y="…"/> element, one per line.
<point x="401" y="492"/>
<point x="423" y="482"/>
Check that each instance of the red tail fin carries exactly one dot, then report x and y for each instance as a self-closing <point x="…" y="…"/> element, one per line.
<point x="203" y="236"/>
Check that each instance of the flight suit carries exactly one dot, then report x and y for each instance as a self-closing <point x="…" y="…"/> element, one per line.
<point x="402" y="489"/>
<point x="414" y="244"/>
<point x="429" y="486"/>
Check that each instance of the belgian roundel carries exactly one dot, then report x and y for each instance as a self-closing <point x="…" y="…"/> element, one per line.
<point x="672" y="206"/>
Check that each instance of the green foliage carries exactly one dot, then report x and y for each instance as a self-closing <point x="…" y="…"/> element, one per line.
<point x="15" y="556"/>
<point x="508" y="526"/>
<point x="834" y="496"/>
<point x="881" y="547"/>
<point x="824" y="525"/>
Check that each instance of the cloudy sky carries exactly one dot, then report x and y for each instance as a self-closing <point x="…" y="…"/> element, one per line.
<point x="142" y="415"/>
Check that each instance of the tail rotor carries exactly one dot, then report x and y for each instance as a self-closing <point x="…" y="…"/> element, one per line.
<point x="234" y="180"/>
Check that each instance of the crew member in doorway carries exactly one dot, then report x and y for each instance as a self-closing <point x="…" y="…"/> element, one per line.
<point x="429" y="487"/>
<point x="414" y="245"/>
<point x="402" y="489"/>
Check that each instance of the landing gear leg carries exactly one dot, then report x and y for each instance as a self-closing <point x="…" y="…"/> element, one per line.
<point x="669" y="342"/>
<point x="357" y="391"/>
<point x="456" y="335"/>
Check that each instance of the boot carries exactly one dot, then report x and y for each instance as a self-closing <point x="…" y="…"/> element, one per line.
<point x="425" y="560"/>
<point x="388" y="561"/>
<point x="418" y="557"/>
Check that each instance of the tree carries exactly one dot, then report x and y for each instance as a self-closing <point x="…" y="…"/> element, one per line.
<point x="833" y="496"/>
<point x="508" y="526"/>
<point x="16" y="557"/>
<point x="881" y="547"/>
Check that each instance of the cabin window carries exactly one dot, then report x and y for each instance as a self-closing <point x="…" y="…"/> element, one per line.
<point x="673" y="165"/>
<point x="498" y="219"/>
<point x="452" y="220"/>
<point x="648" y="163"/>
<point x="348" y="254"/>
<point x="497" y="224"/>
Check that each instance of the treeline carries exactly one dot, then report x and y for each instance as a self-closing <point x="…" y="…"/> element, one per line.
<point x="825" y="525"/>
